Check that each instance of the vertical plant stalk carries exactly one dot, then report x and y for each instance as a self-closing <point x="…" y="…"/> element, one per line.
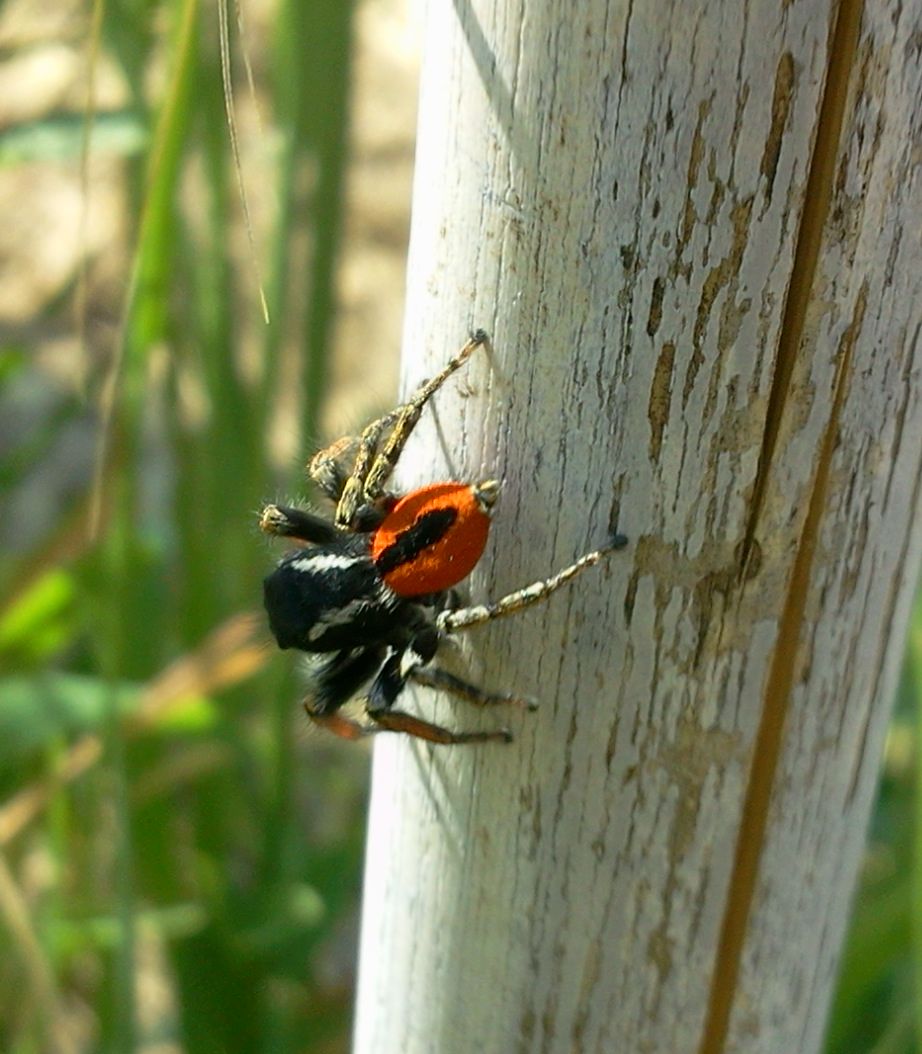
<point x="620" y="198"/>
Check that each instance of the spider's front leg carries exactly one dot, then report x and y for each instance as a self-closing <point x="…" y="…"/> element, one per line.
<point x="284" y="521"/>
<point x="373" y="467"/>
<point x="352" y="494"/>
<point x="339" y="468"/>
<point x="328" y="468"/>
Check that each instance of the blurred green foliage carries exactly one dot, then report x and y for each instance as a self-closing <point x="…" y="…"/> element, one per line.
<point x="195" y="885"/>
<point x="877" y="1008"/>
<point x="168" y="872"/>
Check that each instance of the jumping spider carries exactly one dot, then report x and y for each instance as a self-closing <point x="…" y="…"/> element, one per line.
<point x="371" y="594"/>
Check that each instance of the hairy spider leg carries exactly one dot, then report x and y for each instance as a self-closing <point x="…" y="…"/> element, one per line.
<point x="373" y="467"/>
<point x="339" y="724"/>
<point x="448" y="621"/>
<point x="391" y="681"/>
<point x="443" y="681"/>
<point x="399" y="721"/>
<point x="284" y="521"/>
<point x="328" y="467"/>
<point x="338" y="677"/>
<point x="380" y="471"/>
<point x="476" y="615"/>
<point x="349" y="459"/>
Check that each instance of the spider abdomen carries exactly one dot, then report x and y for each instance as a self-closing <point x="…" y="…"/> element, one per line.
<point x="433" y="537"/>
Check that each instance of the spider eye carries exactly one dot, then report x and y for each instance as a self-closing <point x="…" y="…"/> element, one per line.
<point x="433" y="537"/>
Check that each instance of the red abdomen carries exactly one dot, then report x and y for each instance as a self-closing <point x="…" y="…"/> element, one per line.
<point x="432" y="538"/>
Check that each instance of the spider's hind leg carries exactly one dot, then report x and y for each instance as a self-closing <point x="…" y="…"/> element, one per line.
<point x="340" y="725"/>
<point x="388" y="685"/>
<point x="399" y="721"/>
<point x="443" y="681"/>
<point x="337" y="678"/>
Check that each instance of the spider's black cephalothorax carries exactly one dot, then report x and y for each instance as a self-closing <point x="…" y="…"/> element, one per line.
<point x="370" y="595"/>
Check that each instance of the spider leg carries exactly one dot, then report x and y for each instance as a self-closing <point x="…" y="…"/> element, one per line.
<point x="340" y="469"/>
<point x="334" y="468"/>
<point x="328" y="467"/>
<point x="337" y="677"/>
<point x="398" y="721"/>
<point x="283" y="521"/>
<point x="464" y="618"/>
<point x="340" y="725"/>
<point x="388" y="685"/>
<point x="373" y="467"/>
<point x="444" y="681"/>
<point x="380" y="471"/>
